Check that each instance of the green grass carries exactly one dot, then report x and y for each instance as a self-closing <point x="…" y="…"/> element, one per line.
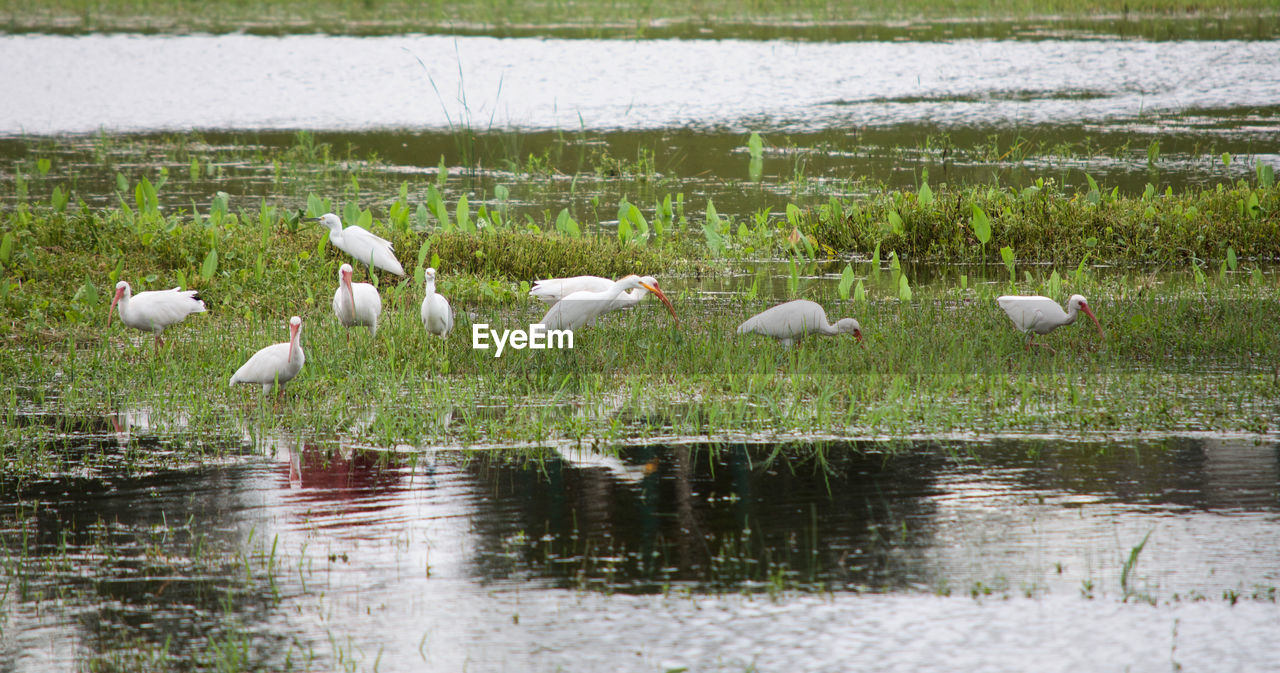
<point x="1048" y="223"/>
<point x="663" y="18"/>
<point x="1184" y="351"/>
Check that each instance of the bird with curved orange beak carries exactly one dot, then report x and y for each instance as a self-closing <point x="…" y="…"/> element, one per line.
<point x="583" y="307"/>
<point x="1034" y="315"/>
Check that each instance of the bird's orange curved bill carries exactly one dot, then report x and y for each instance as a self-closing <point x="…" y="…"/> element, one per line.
<point x="112" y="311"/>
<point x="666" y="302"/>
<point x="1089" y="312"/>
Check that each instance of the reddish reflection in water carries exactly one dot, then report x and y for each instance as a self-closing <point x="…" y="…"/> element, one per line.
<point x="341" y="487"/>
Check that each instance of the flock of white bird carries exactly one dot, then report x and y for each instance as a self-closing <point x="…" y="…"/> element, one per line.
<point x="574" y="303"/>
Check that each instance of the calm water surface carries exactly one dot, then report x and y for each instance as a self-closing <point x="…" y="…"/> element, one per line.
<point x="130" y="83"/>
<point x="997" y="555"/>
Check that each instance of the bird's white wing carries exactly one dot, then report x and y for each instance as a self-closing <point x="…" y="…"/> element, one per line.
<point x="552" y="290"/>
<point x="786" y="321"/>
<point x="363" y="234"/>
<point x="1029" y="311"/>
<point x="263" y="366"/>
<point x="166" y="307"/>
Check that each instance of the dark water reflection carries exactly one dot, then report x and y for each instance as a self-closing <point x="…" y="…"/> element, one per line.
<point x="279" y="556"/>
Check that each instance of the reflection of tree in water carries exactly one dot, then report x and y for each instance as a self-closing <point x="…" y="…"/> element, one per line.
<point x="135" y="561"/>
<point x="1180" y="472"/>
<point x="722" y="516"/>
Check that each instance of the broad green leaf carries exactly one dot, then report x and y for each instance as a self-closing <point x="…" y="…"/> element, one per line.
<point x="904" y="288"/>
<point x="210" y="265"/>
<point x="981" y="225"/>
<point x="1266" y="174"/>
<point x="793" y="214"/>
<point x="316" y="206"/>
<point x="846" y="281"/>
<point x="926" y="195"/>
<point x="755" y="146"/>
<point x="711" y="230"/>
<point x="1006" y="253"/>
<point x="859" y="293"/>
<point x="463" y="215"/>
<point x="637" y="219"/>
<point x="59" y="199"/>
<point x="895" y="223"/>
<point x="1231" y="258"/>
<point x="423" y="250"/>
<point x="6" y="247"/>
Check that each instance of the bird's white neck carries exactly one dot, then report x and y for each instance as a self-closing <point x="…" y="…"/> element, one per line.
<point x="1072" y="312"/>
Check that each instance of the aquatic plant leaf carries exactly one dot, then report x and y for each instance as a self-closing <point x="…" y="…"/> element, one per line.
<point x="981" y="225"/>
<point x="846" y="281"/>
<point x="210" y="265"/>
<point x="896" y="225"/>
<point x="755" y="146"/>
<point x="711" y="231"/>
<point x="1006" y="253"/>
<point x="925" y="195"/>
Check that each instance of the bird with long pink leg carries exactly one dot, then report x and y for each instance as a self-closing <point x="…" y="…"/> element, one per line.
<point x="1034" y="315"/>
<point x="276" y="364"/>
<point x="155" y="310"/>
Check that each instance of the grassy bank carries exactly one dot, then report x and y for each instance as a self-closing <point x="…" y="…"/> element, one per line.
<point x="1187" y="347"/>
<point x="665" y="18"/>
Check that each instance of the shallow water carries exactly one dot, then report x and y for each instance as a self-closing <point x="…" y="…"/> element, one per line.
<point x="131" y="83"/>
<point x="1004" y="554"/>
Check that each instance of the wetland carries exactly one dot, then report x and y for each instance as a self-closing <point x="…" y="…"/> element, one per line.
<point x="661" y="497"/>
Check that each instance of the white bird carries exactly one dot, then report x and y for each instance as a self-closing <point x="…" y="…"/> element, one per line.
<point x="1040" y="315"/>
<point x="437" y="315"/>
<point x="552" y="290"/>
<point x="790" y="322"/>
<point x="361" y="244"/>
<point x="276" y="364"/>
<point x="155" y="310"/>
<point x="584" y="306"/>
<point x="356" y="303"/>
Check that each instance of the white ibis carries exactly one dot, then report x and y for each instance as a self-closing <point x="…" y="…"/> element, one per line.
<point x="790" y="322"/>
<point x="155" y="310"/>
<point x="356" y="303"/>
<point x="276" y="364"/>
<point x="361" y="244"/>
<point x="552" y="290"/>
<point x="437" y="315"/>
<point x="584" y="306"/>
<point x="1041" y="315"/>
